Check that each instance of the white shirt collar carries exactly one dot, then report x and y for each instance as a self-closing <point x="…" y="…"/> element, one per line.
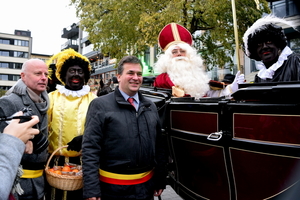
<point x="126" y="96"/>
<point x="265" y="73"/>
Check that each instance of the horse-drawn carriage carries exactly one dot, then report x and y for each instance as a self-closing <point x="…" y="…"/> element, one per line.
<point x="242" y="148"/>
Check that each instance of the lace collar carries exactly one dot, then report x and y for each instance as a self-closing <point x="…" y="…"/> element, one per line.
<point x="265" y="73"/>
<point x="75" y="93"/>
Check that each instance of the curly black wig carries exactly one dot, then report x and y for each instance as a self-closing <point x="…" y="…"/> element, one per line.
<point x="267" y="32"/>
<point x="72" y="62"/>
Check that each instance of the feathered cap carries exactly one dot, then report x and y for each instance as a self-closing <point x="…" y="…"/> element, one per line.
<point x="262" y="30"/>
<point x="173" y="34"/>
<point x="67" y="58"/>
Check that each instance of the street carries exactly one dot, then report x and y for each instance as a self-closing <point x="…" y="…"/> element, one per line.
<point x="169" y="194"/>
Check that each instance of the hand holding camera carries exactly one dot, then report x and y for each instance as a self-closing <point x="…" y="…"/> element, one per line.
<point x="23" y="131"/>
<point x="39" y="141"/>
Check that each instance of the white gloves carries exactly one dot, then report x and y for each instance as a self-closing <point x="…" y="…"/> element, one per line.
<point x="239" y="79"/>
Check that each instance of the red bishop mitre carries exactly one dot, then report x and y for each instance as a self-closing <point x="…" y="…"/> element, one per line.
<point x="173" y="34"/>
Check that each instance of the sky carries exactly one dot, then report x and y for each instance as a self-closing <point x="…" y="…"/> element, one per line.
<point x="44" y="18"/>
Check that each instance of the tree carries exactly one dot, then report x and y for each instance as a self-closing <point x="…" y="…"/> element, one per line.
<point x="2" y="92"/>
<point x="122" y="26"/>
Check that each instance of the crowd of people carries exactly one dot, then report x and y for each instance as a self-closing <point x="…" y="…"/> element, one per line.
<point x="118" y="132"/>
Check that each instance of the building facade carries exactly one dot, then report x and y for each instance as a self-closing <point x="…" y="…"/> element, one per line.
<point x="15" y="49"/>
<point x="43" y="57"/>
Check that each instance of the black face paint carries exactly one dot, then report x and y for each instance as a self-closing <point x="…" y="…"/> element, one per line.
<point x="75" y="78"/>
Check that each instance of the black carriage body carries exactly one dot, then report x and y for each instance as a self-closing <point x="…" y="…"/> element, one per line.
<point x="245" y="148"/>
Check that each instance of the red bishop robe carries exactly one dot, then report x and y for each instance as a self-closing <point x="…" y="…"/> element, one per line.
<point x="163" y="81"/>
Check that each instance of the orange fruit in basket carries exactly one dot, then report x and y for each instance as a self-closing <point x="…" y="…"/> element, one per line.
<point x="57" y="172"/>
<point x="75" y="170"/>
<point x="51" y="170"/>
<point x="66" y="169"/>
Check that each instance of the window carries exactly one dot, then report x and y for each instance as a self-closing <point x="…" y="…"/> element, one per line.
<point x="17" y="42"/>
<point x="74" y="42"/>
<point x="5" y="87"/>
<point x="20" y="54"/>
<point x="4" y="65"/>
<point x="4" y="77"/>
<point x="21" y="43"/>
<point x="17" y="66"/>
<point x="11" y="65"/>
<point x="4" y="53"/>
<point x="284" y="8"/>
<point x="295" y="45"/>
<point x="25" y="43"/>
<point x="87" y="43"/>
<point x="4" y="41"/>
<point x="13" y="77"/>
<point x="9" y="77"/>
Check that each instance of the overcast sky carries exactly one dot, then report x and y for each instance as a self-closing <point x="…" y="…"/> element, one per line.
<point x="44" y="18"/>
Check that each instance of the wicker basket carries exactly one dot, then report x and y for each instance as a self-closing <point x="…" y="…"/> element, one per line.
<point x="63" y="182"/>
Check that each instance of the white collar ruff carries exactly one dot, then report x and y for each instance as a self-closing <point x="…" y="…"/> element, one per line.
<point x="265" y="73"/>
<point x="75" y="93"/>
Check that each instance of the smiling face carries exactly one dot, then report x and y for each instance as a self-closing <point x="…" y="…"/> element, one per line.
<point x="268" y="53"/>
<point x="74" y="78"/>
<point x="131" y="78"/>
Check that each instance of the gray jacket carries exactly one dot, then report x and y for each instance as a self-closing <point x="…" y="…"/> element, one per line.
<point x="11" y="151"/>
<point x="12" y="103"/>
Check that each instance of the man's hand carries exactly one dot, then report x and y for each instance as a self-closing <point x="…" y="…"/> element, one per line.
<point x="93" y="198"/>
<point x="23" y="131"/>
<point x="28" y="147"/>
<point x="158" y="192"/>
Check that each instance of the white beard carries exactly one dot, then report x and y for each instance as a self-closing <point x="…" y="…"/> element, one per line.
<point x="188" y="76"/>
